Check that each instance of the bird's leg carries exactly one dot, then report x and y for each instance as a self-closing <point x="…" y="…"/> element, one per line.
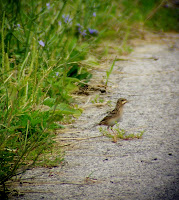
<point x="109" y="128"/>
<point x="114" y="134"/>
<point x="112" y="129"/>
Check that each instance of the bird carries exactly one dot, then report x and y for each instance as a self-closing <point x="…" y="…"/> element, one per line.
<point x="115" y="115"/>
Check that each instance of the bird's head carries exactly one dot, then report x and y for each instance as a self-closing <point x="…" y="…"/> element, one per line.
<point x="121" y="101"/>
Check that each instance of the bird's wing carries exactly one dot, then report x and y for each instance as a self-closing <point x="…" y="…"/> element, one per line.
<point x="111" y="114"/>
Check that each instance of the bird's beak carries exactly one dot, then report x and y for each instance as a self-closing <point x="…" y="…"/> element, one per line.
<point x="125" y="102"/>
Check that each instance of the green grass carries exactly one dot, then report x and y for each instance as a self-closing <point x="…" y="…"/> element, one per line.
<point x="117" y="133"/>
<point x="44" y="57"/>
<point x="97" y="99"/>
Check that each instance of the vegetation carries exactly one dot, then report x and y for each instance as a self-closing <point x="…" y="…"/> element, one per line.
<point x="117" y="133"/>
<point x="44" y="58"/>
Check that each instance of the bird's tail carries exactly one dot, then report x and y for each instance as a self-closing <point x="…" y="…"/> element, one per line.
<point x="94" y="125"/>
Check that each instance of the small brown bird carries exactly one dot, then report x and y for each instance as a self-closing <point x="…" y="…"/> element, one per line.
<point x="114" y="116"/>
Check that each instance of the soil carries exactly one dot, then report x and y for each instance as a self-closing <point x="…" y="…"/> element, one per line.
<point x="97" y="168"/>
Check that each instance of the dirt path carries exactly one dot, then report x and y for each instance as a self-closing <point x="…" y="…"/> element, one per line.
<point x="141" y="169"/>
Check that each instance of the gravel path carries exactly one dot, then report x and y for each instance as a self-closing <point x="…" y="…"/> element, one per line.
<point x="138" y="169"/>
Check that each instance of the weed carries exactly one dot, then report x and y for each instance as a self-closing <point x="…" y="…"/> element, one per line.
<point x="117" y="133"/>
<point x="97" y="99"/>
<point x="108" y="73"/>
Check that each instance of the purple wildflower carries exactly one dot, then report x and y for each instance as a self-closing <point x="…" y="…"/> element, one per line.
<point x="92" y="31"/>
<point x="48" y="5"/>
<point x="59" y="23"/>
<point x="67" y="19"/>
<point x="79" y="27"/>
<point x="94" y="14"/>
<point x="41" y="43"/>
<point x="19" y="25"/>
<point x="83" y="33"/>
<point x="57" y="73"/>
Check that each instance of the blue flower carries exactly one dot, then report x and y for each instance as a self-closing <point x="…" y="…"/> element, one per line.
<point x="94" y="14"/>
<point x="83" y="33"/>
<point x="92" y="31"/>
<point x="67" y="19"/>
<point x="41" y="43"/>
<point x="59" y="23"/>
<point x="48" y="5"/>
<point x="57" y="73"/>
<point x="19" y="25"/>
<point x="79" y="25"/>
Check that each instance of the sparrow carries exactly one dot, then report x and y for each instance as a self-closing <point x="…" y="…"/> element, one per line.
<point x="115" y="115"/>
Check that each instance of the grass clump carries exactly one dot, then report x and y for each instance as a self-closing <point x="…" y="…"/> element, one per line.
<point x="97" y="99"/>
<point x="117" y="133"/>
